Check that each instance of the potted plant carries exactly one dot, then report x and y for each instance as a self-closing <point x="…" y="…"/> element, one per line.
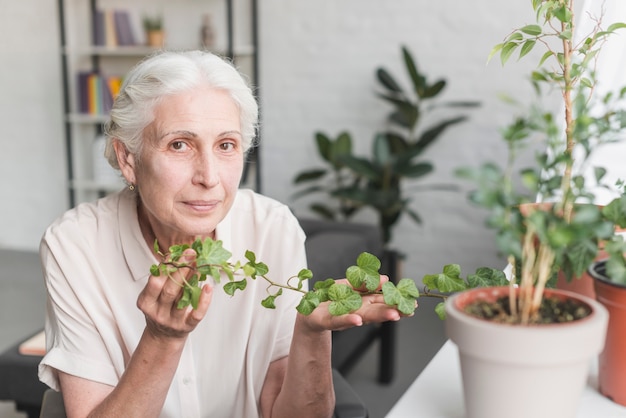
<point x="153" y="27"/>
<point x="610" y="289"/>
<point x="564" y="232"/>
<point x="378" y="182"/>
<point x="554" y="227"/>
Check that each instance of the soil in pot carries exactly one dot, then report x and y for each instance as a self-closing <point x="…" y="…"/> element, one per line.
<point x="553" y="310"/>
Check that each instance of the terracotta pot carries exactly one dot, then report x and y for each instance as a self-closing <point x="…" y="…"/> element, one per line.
<point x="612" y="360"/>
<point x="519" y="371"/>
<point x="156" y="38"/>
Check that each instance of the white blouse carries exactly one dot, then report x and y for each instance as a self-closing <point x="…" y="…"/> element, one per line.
<point x="96" y="263"/>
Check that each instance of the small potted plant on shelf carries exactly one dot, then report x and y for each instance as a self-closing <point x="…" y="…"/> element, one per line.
<point x="155" y="34"/>
<point x="525" y="341"/>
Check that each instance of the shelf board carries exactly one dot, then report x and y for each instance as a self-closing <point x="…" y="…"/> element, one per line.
<point x="119" y="51"/>
<point x="141" y="50"/>
<point x="86" y="118"/>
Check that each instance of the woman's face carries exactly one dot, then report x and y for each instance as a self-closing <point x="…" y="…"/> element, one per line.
<point x="190" y="166"/>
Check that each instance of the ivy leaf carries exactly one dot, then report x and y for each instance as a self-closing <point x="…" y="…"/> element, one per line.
<point x="440" y="310"/>
<point x="195" y="292"/>
<point x="231" y="287"/>
<point x="191" y="293"/>
<point x="344" y="299"/>
<point x="185" y="299"/>
<point x="154" y="270"/>
<point x="253" y="268"/>
<point x="176" y="251"/>
<point x="261" y="269"/>
<point x="269" y="302"/>
<point x="209" y="270"/>
<point x="211" y="252"/>
<point x="321" y="289"/>
<point x="486" y="276"/>
<point x="249" y="270"/>
<point x="308" y="303"/>
<point x="155" y="246"/>
<point x="303" y="275"/>
<point x="402" y="296"/>
<point x="365" y="273"/>
<point x="447" y="281"/>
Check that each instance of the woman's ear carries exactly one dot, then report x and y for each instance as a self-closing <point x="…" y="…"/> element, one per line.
<point x="126" y="161"/>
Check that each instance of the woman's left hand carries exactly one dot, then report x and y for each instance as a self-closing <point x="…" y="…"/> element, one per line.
<point x="373" y="310"/>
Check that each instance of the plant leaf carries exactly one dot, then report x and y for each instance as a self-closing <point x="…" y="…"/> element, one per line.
<point x="447" y="281"/>
<point x="308" y="303"/>
<point x="231" y="287"/>
<point x="486" y="277"/>
<point x="387" y="80"/>
<point x="212" y="252"/>
<point x="344" y="299"/>
<point x="365" y="273"/>
<point x="402" y="295"/>
<point x="270" y="301"/>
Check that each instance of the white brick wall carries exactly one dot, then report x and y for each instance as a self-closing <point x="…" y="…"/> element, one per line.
<point x="317" y="73"/>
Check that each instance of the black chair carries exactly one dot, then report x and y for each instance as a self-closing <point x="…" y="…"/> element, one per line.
<point x="348" y="404"/>
<point x="331" y="248"/>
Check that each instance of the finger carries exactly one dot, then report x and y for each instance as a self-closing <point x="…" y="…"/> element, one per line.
<point x="343" y="322"/>
<point x="196" y="315"/>
<point x="383" y="278"/>
<point x="152" y="290"/>
<point x="172" y="290"/>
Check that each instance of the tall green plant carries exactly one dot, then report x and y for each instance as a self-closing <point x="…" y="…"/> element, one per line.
<point x="565" y="232"/>
<point x="354" y="182"/>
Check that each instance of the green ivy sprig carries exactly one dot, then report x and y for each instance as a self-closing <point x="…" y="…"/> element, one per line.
<point x="211" y="260"/>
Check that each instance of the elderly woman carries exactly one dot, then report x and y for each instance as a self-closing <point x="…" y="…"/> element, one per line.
<point x="116" y="343"/>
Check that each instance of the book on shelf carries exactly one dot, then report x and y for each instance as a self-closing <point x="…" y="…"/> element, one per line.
<point x="34" y="346"/>
<point x="96" y="92"/>
<point x="113" y="28"/>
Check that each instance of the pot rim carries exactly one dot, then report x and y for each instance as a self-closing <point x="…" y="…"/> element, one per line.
<point x="601" y="276"/>
<point x="593" y="305"/>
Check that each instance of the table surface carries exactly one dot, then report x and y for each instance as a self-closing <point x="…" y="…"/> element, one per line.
<point x="437" y="392"/>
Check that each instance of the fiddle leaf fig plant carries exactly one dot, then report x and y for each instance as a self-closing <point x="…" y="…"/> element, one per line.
<point x="209" y="260"/>
<point x="378" y="182"/>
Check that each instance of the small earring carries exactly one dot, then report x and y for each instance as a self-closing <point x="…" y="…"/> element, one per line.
<point x="131" y="187"/>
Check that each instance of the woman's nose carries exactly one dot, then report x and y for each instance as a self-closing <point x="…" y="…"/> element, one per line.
<point x="207" y="170"/>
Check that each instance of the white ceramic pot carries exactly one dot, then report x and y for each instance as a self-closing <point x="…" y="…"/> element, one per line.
<point x="518" y="371"/>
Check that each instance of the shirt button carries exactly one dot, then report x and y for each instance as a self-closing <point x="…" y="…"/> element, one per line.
<point x="186" y="380"/>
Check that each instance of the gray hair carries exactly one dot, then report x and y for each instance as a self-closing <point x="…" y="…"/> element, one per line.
<point x="166" y="73"/>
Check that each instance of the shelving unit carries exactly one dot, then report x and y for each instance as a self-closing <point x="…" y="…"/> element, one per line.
<point x="235" y="27"/>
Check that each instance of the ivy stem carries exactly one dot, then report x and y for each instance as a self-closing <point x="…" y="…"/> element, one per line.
<point x="283" y="286"/>
<point x="428" y="294"/>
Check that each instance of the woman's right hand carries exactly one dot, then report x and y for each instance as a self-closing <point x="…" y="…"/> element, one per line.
<point x="158" y="302"/>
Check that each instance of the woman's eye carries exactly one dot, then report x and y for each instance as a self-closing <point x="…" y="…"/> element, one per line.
<point x="178" y="145"/>
<point x="227" y="146"/>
